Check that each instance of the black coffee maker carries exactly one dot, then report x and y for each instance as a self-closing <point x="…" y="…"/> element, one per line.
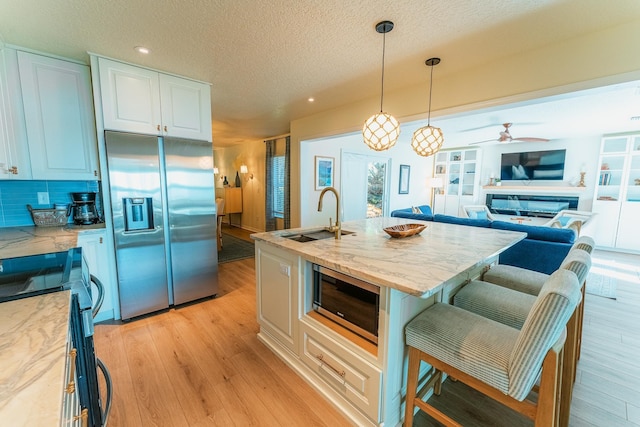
<point x="83" y="208"/>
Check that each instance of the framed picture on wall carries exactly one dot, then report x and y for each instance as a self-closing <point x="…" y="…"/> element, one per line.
<point x="405" y="170"/>
<point x="323" y="172"/>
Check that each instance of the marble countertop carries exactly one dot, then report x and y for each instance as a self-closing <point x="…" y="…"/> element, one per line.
<point x="32" y="240"/>
<point x="33" y="345"/>
<point x="418" y="265"/>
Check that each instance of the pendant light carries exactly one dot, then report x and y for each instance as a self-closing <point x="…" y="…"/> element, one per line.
<point x="428" y="140"/>
<point x="381" y="131"/>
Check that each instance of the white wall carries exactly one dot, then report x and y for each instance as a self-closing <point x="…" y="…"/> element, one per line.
<point x="228" y="161"/>
<point x="401" y="154"/>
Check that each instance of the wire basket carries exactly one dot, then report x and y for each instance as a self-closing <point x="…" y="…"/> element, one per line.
<point x="49" y="217"/>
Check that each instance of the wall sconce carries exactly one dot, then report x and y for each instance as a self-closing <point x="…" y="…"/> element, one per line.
<point x="216" y="171"/>
<point x="244" y="171"/>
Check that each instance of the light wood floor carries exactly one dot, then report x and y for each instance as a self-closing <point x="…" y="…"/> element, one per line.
<point x="202" y="365"/>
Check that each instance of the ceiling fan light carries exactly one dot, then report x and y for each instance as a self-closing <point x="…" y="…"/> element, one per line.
<point x="427" y="140"/>
<point x="380" y="131"/>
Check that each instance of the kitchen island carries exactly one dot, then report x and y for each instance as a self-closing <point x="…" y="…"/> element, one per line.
<point x="365" y="381"/>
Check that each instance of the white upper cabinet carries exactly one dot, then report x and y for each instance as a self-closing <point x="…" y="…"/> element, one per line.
<point x="130" y="98"/>
<point x="144" y="101"/>
<point x="14" y="155"/>
<point x="59" y="118"/>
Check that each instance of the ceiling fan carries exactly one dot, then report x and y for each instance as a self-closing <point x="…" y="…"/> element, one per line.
<point x="505" y="137"/>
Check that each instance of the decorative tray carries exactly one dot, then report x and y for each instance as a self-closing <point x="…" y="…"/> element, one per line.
<point x="404" y="230"/>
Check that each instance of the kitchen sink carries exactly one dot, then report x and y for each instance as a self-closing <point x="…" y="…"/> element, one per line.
<point x="313" y="235"/>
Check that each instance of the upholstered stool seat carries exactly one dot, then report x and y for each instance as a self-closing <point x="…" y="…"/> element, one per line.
<point x="498" y="360"/>
<point x="528" y="281"/>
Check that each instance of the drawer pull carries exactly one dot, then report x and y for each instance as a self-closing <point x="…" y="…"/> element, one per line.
<point x="71" y="385"/>
<point x="84" y="416"/>
<point x="341" y="374"/>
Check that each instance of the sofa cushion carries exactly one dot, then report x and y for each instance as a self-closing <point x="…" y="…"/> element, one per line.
<point x="426" y="214"/>
<point x="462" y="221"/>
<point x="538" y="232"/>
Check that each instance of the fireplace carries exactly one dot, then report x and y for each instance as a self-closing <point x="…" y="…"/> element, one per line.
<point x="529" y="205"/>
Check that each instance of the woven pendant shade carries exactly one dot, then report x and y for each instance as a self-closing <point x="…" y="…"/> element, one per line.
<point x="427" y="140"/>
<point x="380" y="132"/>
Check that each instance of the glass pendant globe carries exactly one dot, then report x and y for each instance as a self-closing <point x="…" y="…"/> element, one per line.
<point x="427" y="140"/>
<point x="381" y="131"/>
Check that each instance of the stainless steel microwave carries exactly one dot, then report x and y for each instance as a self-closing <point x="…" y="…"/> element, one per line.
<point x="348" y="301"/>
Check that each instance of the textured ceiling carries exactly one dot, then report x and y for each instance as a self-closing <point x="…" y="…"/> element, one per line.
<point x="265" y="58"/>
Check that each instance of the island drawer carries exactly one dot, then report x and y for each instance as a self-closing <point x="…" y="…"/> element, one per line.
<point x="357" y="380"/>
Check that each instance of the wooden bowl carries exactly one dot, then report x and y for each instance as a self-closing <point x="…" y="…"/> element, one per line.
<point x="404" y="230"/>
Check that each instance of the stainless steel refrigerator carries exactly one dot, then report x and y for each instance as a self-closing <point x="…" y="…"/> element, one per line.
<point x="164" y="220"/>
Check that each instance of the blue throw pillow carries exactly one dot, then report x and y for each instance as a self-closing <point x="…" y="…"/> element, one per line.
<point x="481" y="215"/>
<point x="564" y="220"/>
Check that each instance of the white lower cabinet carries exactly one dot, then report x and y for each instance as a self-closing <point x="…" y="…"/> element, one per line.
<point x="352" y="377"/>
<point x="95" y="251"/>
<point x="277" y="301"/>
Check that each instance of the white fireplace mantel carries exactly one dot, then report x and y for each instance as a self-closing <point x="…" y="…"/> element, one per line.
<point x="534" y="189"/>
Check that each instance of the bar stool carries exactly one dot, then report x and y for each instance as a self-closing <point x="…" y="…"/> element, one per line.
<point x="495" y="359"/>
<point x="511" y="308"/>
<point x="530" y="282"/>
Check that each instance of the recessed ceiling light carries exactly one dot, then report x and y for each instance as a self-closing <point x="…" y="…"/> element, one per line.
<point x="635" y="118"/>
<point x="311" y="99"/>
<point x="142" y="49"/>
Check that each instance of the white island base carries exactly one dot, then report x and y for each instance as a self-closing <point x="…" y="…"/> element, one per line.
<point x="364" y="381"/>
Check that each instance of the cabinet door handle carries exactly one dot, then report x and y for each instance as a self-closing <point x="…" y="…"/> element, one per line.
<point x="13" y="170"/>
<point x="95" y="172"/>
<point x="158" y="127"/>
<point x="165" y="129"/>
<point x="71" y="385"/>
<point x="341" y="374"/>
<point x="101" y="240"/>
<point x="84" y="416"/>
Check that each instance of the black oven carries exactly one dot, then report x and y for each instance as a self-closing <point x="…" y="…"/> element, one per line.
<point x="23" y="277"/>
<point x="347" y="301"/>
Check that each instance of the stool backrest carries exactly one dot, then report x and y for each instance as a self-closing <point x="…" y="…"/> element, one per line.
<point x="220" y="206"/>
<point x="579" y="262"/>
<point x="546" y="321"/>
<point x="585" y="243"/>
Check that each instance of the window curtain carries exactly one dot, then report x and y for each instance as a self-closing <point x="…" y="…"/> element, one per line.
<point x="287" y="183"/>
<point x="270" y="219"/>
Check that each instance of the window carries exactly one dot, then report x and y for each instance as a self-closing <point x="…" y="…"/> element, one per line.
<point x="277" y="167"/>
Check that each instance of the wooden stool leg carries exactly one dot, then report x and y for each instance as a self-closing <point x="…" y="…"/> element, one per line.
<point x="569" y="362"/>
<point x="413" y="370"/>
<point x="546" y="413"/>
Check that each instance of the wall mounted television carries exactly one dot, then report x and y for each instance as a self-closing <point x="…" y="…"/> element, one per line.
<point x="533" y="165"/>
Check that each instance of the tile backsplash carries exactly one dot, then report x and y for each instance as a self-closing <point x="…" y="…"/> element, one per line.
<point x="15" y="195"/>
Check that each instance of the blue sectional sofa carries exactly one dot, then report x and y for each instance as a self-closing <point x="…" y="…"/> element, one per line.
<point x="542" y="250"/>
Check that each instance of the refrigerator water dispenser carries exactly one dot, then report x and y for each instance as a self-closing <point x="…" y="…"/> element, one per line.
<point x="138" y="213"/>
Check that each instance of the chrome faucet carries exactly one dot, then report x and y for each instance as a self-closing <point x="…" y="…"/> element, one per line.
<point x="337" y="228"/>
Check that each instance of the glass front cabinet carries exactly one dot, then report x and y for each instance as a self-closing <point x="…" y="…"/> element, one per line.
<point x="617" y="194"/>
<point x="458" y="170"/>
